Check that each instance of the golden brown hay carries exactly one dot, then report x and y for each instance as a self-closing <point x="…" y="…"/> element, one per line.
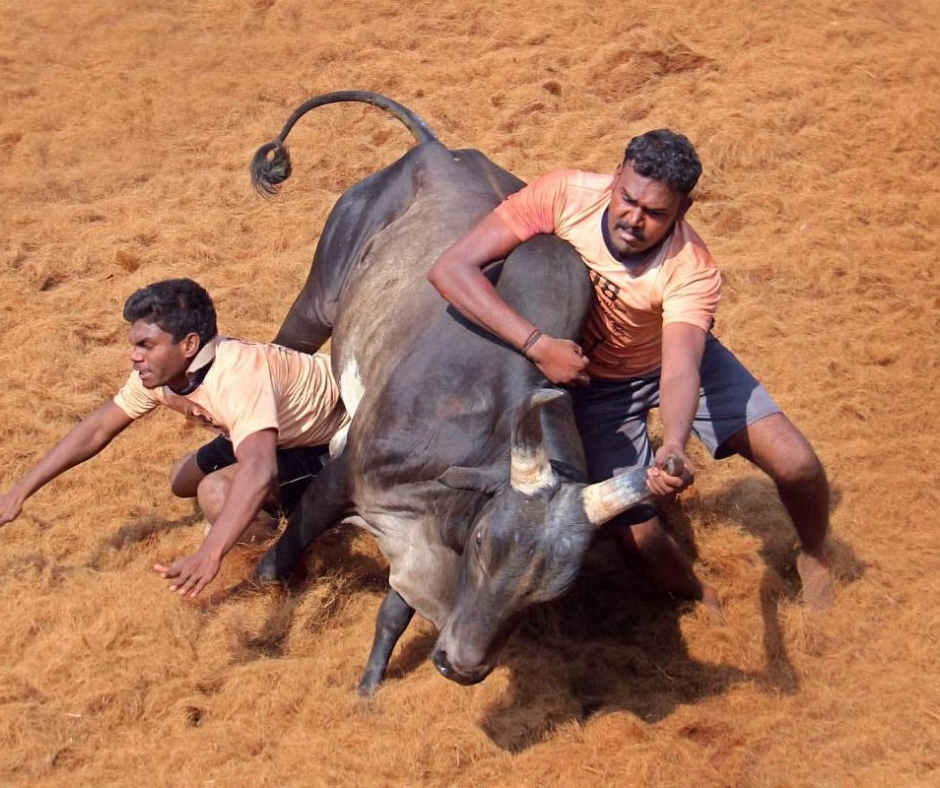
<point x="125" y="133"/>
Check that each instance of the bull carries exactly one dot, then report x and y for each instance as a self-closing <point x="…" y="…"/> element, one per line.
<point x="463" y="465"/>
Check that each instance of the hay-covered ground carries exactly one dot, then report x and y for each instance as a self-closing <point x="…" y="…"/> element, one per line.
<point x="125" y="133"/>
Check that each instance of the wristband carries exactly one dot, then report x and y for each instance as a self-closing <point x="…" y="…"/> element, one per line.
<point x="534" y="337"/>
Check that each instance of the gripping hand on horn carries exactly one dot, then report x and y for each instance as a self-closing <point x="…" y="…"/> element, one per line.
<point x="671" y="472"/>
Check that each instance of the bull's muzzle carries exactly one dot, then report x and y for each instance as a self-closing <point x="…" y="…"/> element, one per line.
<point x="464" y="677"/>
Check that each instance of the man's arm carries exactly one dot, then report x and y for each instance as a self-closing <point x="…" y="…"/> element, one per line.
<point x="254" y="474"/>
<point x="82" y="442"/>
<point x="458" y="277"/>
<point x="683" y="347"/>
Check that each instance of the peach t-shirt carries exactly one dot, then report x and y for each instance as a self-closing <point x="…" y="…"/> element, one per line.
<point x="680" y="284"/>
<point x="252" y="387"/>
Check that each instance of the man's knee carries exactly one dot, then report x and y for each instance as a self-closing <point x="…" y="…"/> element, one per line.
<point x="806" y="470"/>
<point x="776" y="446"/>
<point x="798" y="467"/>
<point x="212" y="493"/>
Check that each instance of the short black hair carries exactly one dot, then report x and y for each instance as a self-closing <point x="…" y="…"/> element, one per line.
<point x="665" y="156"/>
<point x="178" y="306"/>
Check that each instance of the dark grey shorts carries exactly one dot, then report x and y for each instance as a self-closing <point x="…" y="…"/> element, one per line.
<point x="611" y="414"/>
<point x="295" y="467"/>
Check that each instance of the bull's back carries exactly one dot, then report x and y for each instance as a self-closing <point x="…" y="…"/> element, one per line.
<point x="387" y="304"/>
<point x="435" y="389"/>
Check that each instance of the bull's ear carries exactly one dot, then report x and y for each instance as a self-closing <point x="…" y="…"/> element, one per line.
<point x="485" y="480"/>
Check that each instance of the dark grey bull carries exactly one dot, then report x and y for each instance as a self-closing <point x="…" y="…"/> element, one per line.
<point x="467" y="471"/>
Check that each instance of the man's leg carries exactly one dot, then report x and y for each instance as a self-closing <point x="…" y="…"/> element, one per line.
<point x="662" y="563"/>
<point x="296" y="469"/>
<point x="206" y="475"/>
<point x="190" y="469"/>
<point x="611" y="418"/>
<point x="185" y="476"/>
<point x="213" y="492"/>
<point x="738" y="416"/>
<point x="781" y="451"/>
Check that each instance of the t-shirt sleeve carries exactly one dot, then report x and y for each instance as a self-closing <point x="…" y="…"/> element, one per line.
<point x="532" y="209"/>
<point x="135" y="399"/>
<point x="692" y="295"/>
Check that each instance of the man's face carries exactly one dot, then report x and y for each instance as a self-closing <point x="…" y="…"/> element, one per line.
<point x="642" y="211"/>
<point x="157" y="358"/>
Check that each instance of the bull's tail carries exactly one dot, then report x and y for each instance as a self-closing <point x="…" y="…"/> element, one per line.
<point x="271" y="165"/>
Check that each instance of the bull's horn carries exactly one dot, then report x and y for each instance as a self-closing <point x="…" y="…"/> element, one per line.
<point x="605" y="500"/>
<point x="530" y="470"/>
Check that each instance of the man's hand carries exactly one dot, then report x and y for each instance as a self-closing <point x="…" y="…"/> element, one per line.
<point x="82" y="442"/>
<point x="250" y="483"/>
<point x="11" y="505"/>
<point x="190" y="575"/>
<point x="560" y="360"/>
<point x="660" y="482"/>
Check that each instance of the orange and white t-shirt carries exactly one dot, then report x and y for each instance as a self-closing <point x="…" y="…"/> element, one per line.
<point x="680" y="283"/>
<point x="252" y="386"/>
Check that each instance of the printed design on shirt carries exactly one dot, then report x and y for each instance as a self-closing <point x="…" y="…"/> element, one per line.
<point x="614" y="310"/>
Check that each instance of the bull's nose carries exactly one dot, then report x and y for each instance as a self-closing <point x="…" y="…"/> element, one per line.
<point x="439" y="658"/>
<point x="447" y="670"/>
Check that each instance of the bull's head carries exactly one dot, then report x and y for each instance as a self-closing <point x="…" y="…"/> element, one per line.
<point x="525" y="547"/>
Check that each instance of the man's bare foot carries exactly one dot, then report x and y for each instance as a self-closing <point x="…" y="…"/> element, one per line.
<point x="710" y="599"/>
<point x="816" y="580"/>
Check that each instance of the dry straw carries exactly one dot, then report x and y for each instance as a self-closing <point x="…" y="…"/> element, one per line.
<point x="125" y="134"/>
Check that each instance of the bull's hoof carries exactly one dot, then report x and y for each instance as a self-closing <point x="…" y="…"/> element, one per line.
<point x="267" y="573"/>
<point x="368" y="685"/>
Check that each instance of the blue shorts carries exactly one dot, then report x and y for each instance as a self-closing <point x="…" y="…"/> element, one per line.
<point x="295" y="467"/>
<point x="611" y="414"/>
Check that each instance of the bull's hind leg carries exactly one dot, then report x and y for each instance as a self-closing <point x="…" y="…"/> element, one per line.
<point x="320" y="508"/>
<point x="394" y="616"/>
<point x="302" y="330"/>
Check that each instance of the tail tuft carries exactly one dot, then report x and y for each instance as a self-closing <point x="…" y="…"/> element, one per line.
<point x="270" y="167"/>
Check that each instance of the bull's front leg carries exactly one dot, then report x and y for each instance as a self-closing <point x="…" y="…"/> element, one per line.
<point x="321" y="507"/>
<point x="394" y="616"/>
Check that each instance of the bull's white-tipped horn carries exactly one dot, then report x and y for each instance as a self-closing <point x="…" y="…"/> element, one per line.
<point x="530" y="469"/>
<point x="605" y="500"/>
